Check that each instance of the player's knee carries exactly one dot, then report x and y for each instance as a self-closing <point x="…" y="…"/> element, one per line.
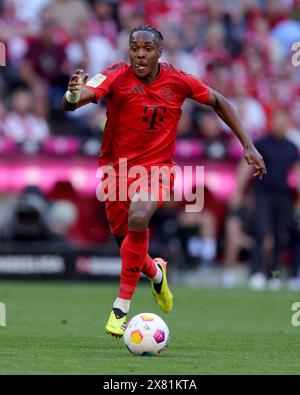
<point x="138" y="220"/>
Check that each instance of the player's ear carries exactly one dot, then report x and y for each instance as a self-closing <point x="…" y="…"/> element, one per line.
<point x="159" y="52"/>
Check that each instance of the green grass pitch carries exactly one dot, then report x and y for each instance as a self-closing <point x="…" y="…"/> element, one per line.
<point x="57" y="328"/>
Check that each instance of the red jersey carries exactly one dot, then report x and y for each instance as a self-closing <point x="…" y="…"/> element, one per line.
<point x="142" y="119"/>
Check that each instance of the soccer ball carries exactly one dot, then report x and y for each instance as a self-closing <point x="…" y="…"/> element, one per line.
<point x="146" y="334"/>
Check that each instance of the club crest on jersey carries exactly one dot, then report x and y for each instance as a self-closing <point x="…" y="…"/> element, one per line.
<point x="96" y="80"/>
<point x="167" y="93"/>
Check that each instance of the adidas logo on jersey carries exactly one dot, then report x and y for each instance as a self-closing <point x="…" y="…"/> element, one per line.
<point x="138" y="89"/>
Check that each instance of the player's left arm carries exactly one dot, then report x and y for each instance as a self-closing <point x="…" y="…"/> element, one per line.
<point x="228" y="114"/>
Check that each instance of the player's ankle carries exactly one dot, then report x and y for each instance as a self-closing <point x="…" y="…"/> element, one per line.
<point x="157" y="279"/>
<point x="122" y="304"/>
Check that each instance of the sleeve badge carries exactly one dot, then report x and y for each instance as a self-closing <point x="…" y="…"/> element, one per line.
<point x="96" y="81"/>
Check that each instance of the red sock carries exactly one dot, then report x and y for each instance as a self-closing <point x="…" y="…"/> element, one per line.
<point x="149" y="268"/>
<point x="134" y="250"/>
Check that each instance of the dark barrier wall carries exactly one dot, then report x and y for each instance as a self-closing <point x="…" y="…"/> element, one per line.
<point x="57" y="261"/>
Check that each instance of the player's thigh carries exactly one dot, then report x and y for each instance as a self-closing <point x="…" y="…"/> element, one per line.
<point x="142" y="207"/>
<point x="150" y="194"/>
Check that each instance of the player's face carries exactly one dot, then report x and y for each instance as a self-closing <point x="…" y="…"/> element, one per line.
<point x="144" y="54"/>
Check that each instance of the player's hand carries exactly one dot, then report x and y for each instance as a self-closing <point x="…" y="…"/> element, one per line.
<point x="78" y="80"/>
<point x="253" y="157"/>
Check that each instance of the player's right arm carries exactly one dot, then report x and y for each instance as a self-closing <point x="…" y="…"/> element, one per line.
<point x="76" y="95"/>
<point x="81" y="91"/>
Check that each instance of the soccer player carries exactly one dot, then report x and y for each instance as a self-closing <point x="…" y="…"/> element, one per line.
<point x="144" y="102"/>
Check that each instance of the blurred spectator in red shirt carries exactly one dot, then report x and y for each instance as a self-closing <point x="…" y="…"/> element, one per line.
<point x="258" y="36"/>
<point x="276" y="11"/>
<point x="45" y="68"/>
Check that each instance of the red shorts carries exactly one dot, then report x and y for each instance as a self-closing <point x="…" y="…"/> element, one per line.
<point x="158" y="184"/>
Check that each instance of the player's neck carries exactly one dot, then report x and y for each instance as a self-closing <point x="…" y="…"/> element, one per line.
<point x="151" y="77"/>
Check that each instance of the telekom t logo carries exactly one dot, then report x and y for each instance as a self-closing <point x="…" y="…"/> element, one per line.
<point x="2" y="314"/>
<point x="2" y="54"/>
<point x="154" y="115"/>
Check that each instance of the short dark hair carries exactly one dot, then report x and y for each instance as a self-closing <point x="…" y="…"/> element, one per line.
<point x="147" y="28"/>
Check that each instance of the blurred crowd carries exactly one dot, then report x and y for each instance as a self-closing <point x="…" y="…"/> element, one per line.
<point x="241" y="48"/>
